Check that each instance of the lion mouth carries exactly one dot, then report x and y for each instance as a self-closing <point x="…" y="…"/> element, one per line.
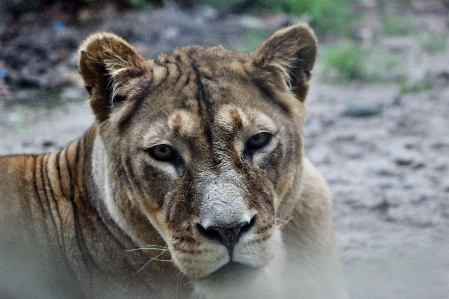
<point x="229" y="270"/>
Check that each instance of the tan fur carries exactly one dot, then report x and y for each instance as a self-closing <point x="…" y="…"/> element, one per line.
<point x="195" y="160"/>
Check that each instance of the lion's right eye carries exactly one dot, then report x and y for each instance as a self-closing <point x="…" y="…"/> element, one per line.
<point x="162" y="152"/>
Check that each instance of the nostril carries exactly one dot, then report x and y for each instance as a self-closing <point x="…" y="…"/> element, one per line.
<point x="227" y="234"/>
<point x="209" y="232"/>
<point x="248" y="226"/>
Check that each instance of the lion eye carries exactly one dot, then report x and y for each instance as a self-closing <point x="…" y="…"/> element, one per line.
<point x="258" y="141"/>
<point x="162" y="152"/>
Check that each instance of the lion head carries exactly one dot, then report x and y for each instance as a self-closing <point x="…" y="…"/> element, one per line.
<point x="200" y="150"/>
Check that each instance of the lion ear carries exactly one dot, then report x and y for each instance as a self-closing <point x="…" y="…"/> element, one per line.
<point x="106" y="62"/>
<point x="285" y="59"/>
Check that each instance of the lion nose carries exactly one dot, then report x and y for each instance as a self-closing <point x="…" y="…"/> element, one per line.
<point x="227" y="234"/>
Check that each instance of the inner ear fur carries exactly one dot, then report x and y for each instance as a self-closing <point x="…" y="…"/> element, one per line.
<point x="285" y="59"/>
<point x="106" y="62"/>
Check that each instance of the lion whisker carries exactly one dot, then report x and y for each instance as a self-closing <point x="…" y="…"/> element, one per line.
<point x="165" y="112"/>
<point x="155" y="246"/>
<point x="152" y="259"/>
<point x="158" y="260"/>
<point x="244" y="102"/>
<point x="155" y="249"/>
<point x="178" y="281"/>
<point x="150" y="247"/>
<point x="283" y="222"/>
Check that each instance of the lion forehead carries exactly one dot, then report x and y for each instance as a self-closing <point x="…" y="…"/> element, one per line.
<point x="232" y="117"/>
<point x="184" y="124"/>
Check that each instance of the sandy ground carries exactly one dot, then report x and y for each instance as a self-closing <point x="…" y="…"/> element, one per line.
<point x="389" y="172"/>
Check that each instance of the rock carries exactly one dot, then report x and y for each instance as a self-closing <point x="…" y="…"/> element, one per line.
<point x="406" y="153"/>
<point x="404" y="160"/>
<point x="361" y="111"/>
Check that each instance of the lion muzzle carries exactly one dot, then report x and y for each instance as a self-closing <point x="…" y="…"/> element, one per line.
<point x="227" y="234"/>
<point x="224" y="214"/>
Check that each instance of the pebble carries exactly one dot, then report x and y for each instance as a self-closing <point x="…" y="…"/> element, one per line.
<point x="361" y="111"/>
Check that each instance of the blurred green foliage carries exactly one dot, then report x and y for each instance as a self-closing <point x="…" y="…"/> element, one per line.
<point x="344" y="62"/>
<point x="253" y="39"/>
<point x="140" y="4"/>
<point x="406" y="86"/>
<point x="326" y="16"/>
<point x="394" y="24"/>
<point x="433" y="43"/>
<point x="385" y="5"/>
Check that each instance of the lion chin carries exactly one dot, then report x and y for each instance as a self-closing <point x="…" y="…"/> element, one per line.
<point x="231" y="270"/>
<point x="245" y="278"/>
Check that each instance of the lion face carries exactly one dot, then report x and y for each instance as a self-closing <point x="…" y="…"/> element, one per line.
<point x="202" y="145"/>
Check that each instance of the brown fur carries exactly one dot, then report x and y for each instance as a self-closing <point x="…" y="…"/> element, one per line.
<point x="127" y="224"/>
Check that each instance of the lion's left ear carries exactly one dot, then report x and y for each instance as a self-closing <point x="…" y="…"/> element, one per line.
<point x="285" y="59"/>
<point x="107" y="62"/>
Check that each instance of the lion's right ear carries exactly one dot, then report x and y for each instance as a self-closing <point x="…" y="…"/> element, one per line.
<point x="107" y="62"/>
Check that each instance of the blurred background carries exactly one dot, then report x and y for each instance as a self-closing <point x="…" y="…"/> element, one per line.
<point x="378" y="122"/>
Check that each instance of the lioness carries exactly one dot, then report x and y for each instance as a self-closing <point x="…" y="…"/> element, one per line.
<point x="191" y="183"/>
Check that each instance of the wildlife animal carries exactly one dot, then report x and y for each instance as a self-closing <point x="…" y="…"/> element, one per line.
<point x="191" y="183"/>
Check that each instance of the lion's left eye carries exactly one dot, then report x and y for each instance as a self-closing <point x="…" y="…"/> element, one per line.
<point x="258" y="141"/>
<point x="162" y="152"/>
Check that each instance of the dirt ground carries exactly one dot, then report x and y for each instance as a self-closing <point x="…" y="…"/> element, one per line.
<point x="383" y="150"/>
